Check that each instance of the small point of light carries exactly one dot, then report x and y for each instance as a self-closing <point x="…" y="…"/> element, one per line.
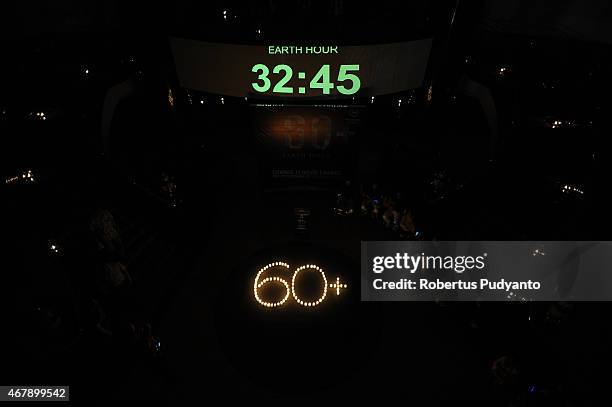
<point x="170" y="98"/>
<point x="503" y="71"/>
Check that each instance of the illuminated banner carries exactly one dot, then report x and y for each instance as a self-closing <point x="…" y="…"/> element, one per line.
<point x="486" y="271"/>
<point x="312" y="71"/>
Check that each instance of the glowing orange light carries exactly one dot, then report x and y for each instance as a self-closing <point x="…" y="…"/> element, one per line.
<point x="305" y="303"/>
<point x="257" y="285"/>
<point x="260" y="282"/>
<point x="170" y="98"/>
<point x="338" y="286"/>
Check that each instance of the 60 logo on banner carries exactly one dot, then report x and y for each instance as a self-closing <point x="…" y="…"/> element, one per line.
<point x="290" y="286"/>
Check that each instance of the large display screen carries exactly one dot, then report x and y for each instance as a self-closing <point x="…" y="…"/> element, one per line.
<point x="310" y="71"/>
<point x="302" y="143"/>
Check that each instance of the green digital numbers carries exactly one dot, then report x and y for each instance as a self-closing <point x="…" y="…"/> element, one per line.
<point x="348" y="82"/>
<point x="279" y="87"/>
<point x="263" y="77"/>
<point x="343" y="75"/>
<point x="321" y="80"/>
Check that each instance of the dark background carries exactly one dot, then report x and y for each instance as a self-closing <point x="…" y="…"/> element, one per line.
<point x="190" y="196"/>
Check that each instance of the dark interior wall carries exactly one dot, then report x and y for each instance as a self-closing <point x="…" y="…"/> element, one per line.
<point x="32" y="16"/>
<point x="588" y="19"/>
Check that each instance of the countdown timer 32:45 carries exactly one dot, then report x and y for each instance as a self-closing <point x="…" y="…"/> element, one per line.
<point x="346" y="82"/>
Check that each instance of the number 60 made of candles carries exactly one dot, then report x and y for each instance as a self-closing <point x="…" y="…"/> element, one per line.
<point x="289" y="285"/>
